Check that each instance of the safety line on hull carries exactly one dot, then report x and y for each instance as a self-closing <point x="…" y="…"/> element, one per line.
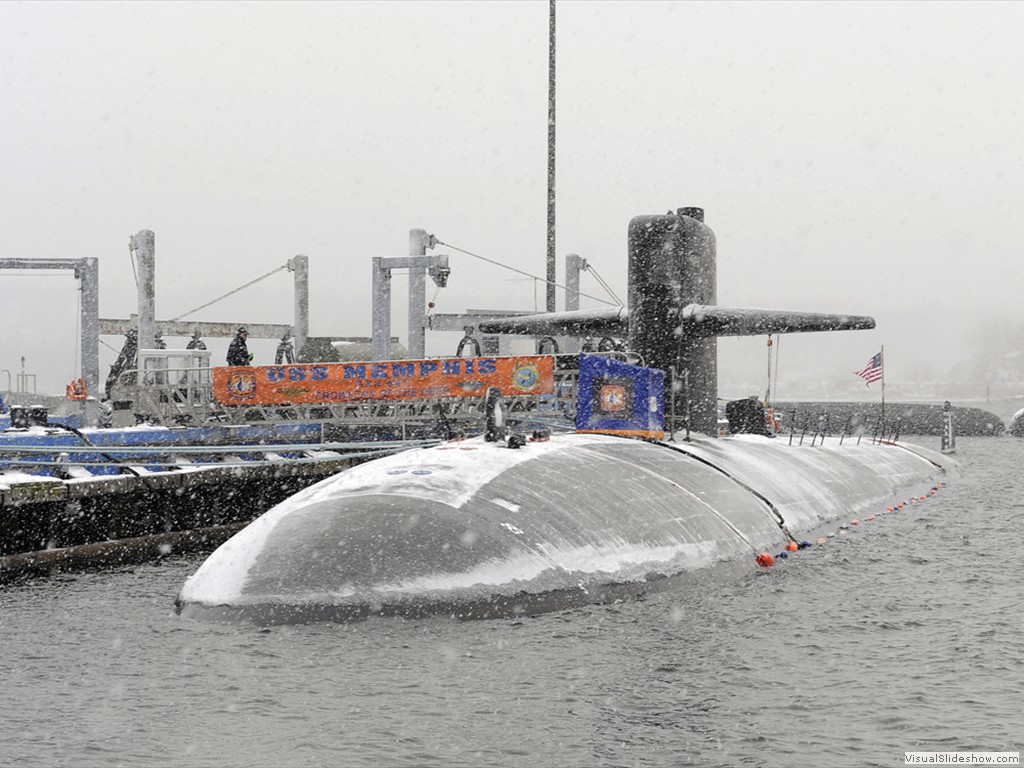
<point x="779" y="520"/>
<point x="700" y="501"/>
<point x="915" y="453"/>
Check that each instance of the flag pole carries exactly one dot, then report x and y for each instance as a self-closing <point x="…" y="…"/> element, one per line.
<point x="882" y="360"/>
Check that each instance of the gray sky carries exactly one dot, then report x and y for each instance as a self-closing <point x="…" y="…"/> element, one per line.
<point x="857" y="157"/>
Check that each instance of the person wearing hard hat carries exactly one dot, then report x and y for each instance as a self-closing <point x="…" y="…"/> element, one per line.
<point x="238" y="352"/>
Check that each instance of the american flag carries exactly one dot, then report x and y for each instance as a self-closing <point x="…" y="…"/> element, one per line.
<point x="872" y="371"/>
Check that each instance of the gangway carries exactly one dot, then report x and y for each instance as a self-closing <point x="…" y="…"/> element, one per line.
<point x="177" y="387"/>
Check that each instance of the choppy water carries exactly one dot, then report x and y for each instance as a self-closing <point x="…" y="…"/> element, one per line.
<point x="906" y="634"/>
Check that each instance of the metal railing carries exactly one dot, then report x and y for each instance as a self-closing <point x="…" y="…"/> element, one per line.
<point x="818" y="425"/>
<point x="59" y="459"/>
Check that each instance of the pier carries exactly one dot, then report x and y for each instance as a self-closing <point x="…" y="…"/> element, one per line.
<point x="154" y="499"/>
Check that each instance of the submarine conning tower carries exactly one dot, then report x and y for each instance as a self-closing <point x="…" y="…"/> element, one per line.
<point x="673" y="265"/>
<point x="672" y="321"/>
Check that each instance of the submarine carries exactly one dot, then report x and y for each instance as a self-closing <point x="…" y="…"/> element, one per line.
<point x="631" y="490"/>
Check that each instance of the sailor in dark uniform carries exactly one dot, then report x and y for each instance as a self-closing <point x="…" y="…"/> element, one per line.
<point x="196" y="342"/>
<point x="238" y="352"/>
<point x="285" y="350"/>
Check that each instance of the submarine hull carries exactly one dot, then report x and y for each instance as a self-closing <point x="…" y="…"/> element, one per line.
<point x="474" y="529"/>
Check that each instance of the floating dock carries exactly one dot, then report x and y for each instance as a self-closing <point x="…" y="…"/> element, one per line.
<point x="63" y="488"/>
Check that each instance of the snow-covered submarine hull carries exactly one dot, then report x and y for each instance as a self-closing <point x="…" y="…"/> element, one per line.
<point x="475" y="529"/>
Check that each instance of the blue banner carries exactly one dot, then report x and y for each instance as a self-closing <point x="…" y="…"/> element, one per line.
<point x="620" y="398"/>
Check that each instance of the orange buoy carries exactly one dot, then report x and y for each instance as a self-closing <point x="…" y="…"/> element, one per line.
<point x="792" y="546"/>
<point x="765" y="560"/>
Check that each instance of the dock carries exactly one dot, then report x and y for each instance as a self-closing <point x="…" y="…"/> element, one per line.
<point x="70" y="505"/>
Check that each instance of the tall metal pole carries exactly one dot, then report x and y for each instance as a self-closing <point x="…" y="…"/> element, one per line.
<point x="418" y="241"/>
<point x="574" y="264"/>
<point x="89" y="276"/>
<point x="881" y="360"/>
<point x="300" y="330"/>
<point x="381" y="344"/>
<point x="144" y="245"/>
<point x="551" y="161"/>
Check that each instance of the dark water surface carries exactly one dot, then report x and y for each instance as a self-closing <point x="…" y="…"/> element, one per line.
<point x="906" y="634"/>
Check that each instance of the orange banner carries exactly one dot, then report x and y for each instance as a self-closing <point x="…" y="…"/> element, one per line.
<point x="390" y="380"/>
